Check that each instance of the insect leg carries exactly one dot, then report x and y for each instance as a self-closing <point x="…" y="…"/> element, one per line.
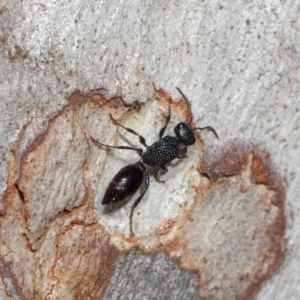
<point x="182" y="152"/>
<point x="157" y="179"/>
<point x="138" y="150"/>
<point x="137" y="201"/>
<point x="162" y="170"/>
<point x="162" y="131"/>
<point x="141" y="138"/>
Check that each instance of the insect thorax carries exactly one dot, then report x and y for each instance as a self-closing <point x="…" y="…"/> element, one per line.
<point x="161" y="152"/>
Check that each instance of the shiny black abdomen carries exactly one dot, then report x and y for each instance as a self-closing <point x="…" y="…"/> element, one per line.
<point x="161" y="152"/>
<point x="125" y="183"/>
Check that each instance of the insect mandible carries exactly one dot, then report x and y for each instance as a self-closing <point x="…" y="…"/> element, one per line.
<point x="153" y="160"/>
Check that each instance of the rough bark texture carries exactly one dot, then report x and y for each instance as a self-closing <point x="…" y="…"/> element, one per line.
<point x="222" y="232"/>
<point x="216" y="228"/>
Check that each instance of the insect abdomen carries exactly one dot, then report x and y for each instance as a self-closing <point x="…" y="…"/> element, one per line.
<point x="125" y="183"/>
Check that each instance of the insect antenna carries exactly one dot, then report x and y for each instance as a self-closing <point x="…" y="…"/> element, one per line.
<point x="187" y="101"/>
<point x="208" y="128"/>
<point x="190" y="111"/>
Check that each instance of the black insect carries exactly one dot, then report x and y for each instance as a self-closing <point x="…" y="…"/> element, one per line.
<point x="153" y="161"/>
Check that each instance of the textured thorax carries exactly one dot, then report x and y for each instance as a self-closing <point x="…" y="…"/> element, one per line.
<point x="161" y="152"/>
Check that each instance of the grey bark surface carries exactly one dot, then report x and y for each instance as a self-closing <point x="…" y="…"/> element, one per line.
<point x="237" y="62"/>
